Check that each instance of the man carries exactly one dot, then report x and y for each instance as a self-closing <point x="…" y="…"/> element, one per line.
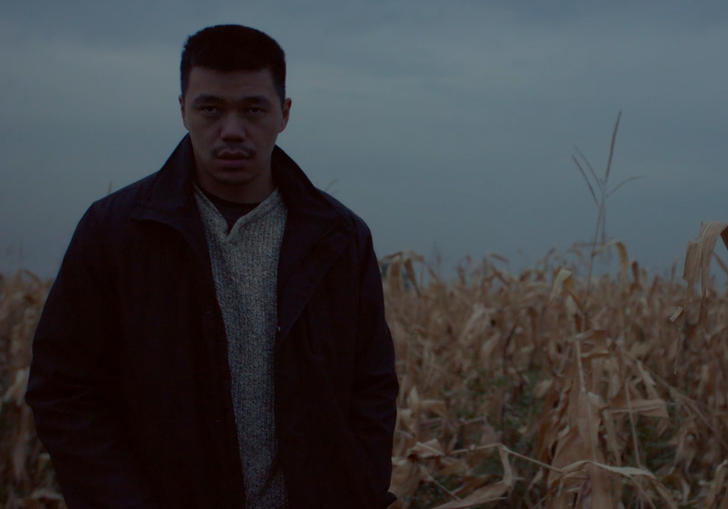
<point x="216" y="336"/>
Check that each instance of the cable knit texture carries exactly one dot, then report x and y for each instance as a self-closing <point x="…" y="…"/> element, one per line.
<point x="245" y="269"/>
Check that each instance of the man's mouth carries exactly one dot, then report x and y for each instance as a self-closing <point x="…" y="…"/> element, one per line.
<point x="234" y="154"/>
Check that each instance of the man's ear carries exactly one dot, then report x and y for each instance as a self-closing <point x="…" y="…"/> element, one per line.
<point x="285" y="111"/>
<point x="182" y="110"/>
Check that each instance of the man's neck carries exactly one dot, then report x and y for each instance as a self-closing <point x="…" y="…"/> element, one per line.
<point x="254" y="191"/>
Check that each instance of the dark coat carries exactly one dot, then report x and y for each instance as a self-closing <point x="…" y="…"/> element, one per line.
<point x="130" y="385"/>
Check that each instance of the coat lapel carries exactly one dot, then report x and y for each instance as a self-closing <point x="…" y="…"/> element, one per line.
<point x="316" y="234"/>
<point x="296" y="290"/>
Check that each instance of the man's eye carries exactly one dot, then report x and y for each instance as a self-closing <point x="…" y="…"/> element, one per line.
<point x="209" y="110"/>
<point x="255" y="110"/>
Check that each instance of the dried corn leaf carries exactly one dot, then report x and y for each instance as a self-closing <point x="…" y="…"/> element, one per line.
<point x="426" y="450"/>
<point x="717" y="485"/>
<point x="563" y="281"/>
<point x="647" y="407"/>
<point x="487" y="493"/>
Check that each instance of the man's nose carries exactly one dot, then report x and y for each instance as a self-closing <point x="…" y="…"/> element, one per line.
<point x="233" y="128"/>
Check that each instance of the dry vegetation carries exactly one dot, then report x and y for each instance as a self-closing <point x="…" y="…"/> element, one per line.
<point x="528" y="390"/>
<point x="26" y="477"/>
<point x="537" y="390"/>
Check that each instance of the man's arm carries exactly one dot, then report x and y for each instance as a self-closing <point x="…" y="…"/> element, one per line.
<point x="72" y="384"/>
<point x="374" y="407"/>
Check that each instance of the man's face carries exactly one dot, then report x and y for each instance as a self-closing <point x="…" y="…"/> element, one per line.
<point x="233" y="119"/>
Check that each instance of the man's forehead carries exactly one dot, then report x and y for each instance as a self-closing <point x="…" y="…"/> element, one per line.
<point x="231" y="85"/>
<point x="199" y="73"/>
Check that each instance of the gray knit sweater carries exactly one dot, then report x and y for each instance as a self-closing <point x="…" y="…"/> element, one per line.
<point x="245" y="269"/>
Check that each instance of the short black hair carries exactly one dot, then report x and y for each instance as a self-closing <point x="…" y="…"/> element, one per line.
<point x="233" y="48"/>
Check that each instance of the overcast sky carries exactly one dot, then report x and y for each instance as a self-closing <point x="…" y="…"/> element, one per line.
<point x="448" y="126"/>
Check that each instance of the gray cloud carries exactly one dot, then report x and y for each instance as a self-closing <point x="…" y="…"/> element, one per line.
<point x="441" y="123"/>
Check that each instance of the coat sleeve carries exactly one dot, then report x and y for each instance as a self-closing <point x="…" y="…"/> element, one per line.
<point x="72" y="384"/>
<point x="375" y="387"/>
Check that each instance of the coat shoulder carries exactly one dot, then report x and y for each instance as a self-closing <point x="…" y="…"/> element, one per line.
<point x="117" y="207"/>
<point x="354" y="221"/>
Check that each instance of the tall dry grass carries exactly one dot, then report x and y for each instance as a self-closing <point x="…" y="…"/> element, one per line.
<point x="517" y="390"/>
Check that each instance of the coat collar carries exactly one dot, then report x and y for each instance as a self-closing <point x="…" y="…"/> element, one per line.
<point x="171" y="200"/>
<point x="171" y="195"/>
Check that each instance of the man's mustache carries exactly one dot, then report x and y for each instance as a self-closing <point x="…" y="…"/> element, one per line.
<point x="233" y="152"/>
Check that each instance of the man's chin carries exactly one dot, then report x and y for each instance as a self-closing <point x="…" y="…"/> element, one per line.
<point x="233" y="164"/>
<point x="233" y="178"/>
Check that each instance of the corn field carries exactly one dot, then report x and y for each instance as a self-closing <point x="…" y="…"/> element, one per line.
<point x="537" y="389"/>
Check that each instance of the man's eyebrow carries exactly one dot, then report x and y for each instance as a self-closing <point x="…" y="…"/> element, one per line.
<point x="206" y="98"/>
<point x="256" y="99"/>
<point x="249" y="99"/>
